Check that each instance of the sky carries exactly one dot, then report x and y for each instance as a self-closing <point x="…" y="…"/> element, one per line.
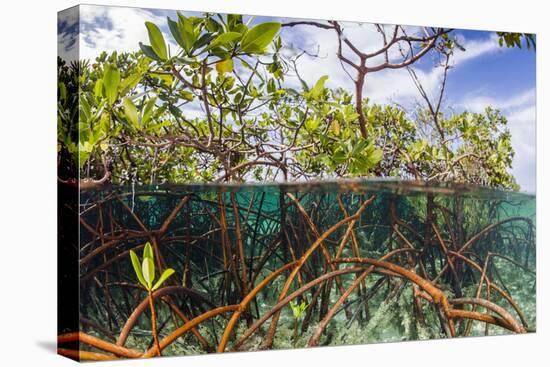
<point x="485" y="74"/>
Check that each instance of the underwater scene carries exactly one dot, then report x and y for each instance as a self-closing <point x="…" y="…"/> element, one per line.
<point x="252" y="267"/>
<point x="234" y="182"/>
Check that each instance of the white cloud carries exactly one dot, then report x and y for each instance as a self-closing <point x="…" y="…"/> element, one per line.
<point x="67" y="34"/>
<point x="397" y="85"/>
<point x="477" y="102"/>
<point x="477" y="48"/>
<point x="523" y="127"/>
<point x="105" y="28"/>
<point x="522" y="124"/>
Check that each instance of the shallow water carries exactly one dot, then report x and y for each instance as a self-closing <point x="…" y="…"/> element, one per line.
<point x="403" y="244"/>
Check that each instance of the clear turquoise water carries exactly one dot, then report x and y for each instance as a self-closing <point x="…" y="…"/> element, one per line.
<point x="223" y="240"/>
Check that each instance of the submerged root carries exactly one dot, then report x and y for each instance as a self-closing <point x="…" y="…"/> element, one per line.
<point x="240" y="266"/>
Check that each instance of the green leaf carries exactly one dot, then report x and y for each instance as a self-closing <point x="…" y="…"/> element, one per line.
<point x="157" y="40"/>
<point x="98" y="89"/>
<point x="298" y="309"/>
<point x="148" y="251"/>
<point x="203" y="40"/>
<point x="105" y="122"/>
<point x="148" y="110"/>
<point x="187" y="32"/>
<point x="82" y="158"/>
<point x="339" y="157"/>
<point x="137" y="268"/>
<point x="148" y="269"/>
<point x="375" y="156"/>
<point x="188" y="96"/>
<point x="148" y="51"/>
<point x="225" y="39"/>
<point x="129" y="82"/>
<point x="318" y="88"/>
<point x="163" y="278"/>
<point x="224" y="66"/>
<point x="312" y="124"/>
<point x="111" y="80"/>
<point x="212" y="25"/>
<point x="336" y="127"/>
<point x="257" y="38"/>
<point x="165" y="79"/>
<point x="130" y="111"/>
<point x="234" y="20"/>
<point x="85" y="110"/>
<point x="62" y="91"/>
<point x="173" y="26"/>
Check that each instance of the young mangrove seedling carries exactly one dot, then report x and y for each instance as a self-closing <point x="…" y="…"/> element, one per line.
<point x="145" y="272"/>
<point x="298" y="312"/>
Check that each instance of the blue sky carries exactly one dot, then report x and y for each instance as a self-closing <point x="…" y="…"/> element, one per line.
<point x="485" y="74"/>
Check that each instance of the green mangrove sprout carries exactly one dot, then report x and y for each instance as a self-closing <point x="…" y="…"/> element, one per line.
<point x="145" y="272"/>
<point x="298" y="312"/>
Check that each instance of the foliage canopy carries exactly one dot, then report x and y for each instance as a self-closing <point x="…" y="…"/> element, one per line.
<point x="222" y="107"/>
